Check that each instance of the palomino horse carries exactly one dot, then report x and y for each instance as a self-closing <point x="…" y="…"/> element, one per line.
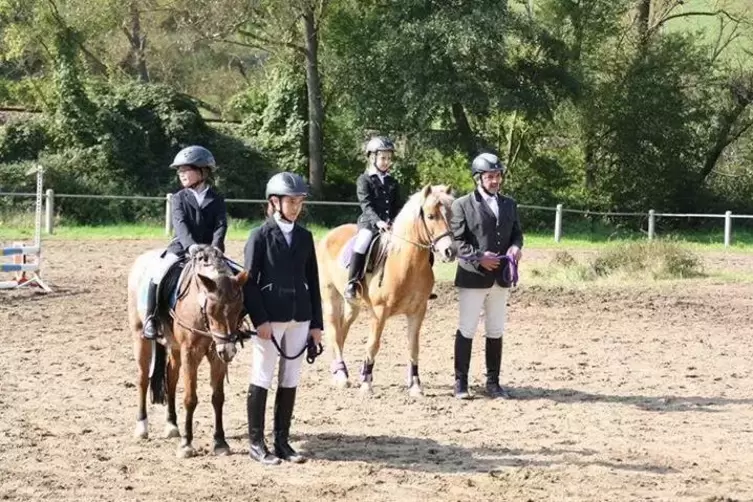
<point x="205" y="321"/>
<point x="403" y="285"/>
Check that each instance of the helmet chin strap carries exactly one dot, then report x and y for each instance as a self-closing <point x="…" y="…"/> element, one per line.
<point x="281" y="216"/>
<point x="374" y="163"/>
<point x="483" y="189"/>
<point x="487" y="192"/>
<point x="199" y="182"/>
<point x="278" y="211"/>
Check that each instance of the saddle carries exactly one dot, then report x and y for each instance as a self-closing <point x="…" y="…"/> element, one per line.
<point x="376" y="255"/>
<point x="168" y="287"/>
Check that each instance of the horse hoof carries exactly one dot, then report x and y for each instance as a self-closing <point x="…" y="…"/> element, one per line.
<point x="142" y="430"/>
<point x="414" y="387"/>
<point x="222" y="451"/>
<point x="186" y="452"/>
<point x="341" y="380"/>
<point x="367" y="389"/>
<point x="171" y="431"/>
<point x="416" y="391"/>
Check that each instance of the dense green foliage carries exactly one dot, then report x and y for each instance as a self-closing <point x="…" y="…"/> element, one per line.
<point x="590" y="103"/>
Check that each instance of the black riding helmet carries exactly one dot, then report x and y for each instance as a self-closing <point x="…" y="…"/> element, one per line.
<point x="487" y="163"/>
<point x="196" y="156"/>
<point x="286" y="183"/>
<point x="379" y="144"/>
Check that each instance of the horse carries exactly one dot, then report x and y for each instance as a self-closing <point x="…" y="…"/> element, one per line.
<point x="205" y="320"/>
<point x="400" y="284"/>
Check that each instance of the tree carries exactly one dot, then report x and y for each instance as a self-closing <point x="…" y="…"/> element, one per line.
<point x="273" y="27"/>
<point x="410" y="66"/>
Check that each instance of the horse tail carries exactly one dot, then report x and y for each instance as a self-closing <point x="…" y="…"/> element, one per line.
<point x="157" y="378"/>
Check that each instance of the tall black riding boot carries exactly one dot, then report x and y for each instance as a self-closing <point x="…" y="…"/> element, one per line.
<point x="151" y="330"/>
<point x="493" y="365"/>
<point x="463" y="348"/>
<point x="256" y="404"/>
<point x="284" y="404"/>
<point x="357" y="262"/>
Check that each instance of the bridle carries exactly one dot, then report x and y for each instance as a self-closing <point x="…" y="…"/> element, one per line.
<point x="431" y="239"/>
<point x="219" y="338"/>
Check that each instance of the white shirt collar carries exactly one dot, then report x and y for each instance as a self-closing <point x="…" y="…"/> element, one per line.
<point x="486" y="196"/>
<point x="199" y="195"/>
<point x="373" y="170"/>
<point x="285" y="226"/>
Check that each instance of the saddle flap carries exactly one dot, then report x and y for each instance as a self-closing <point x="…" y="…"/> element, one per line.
<point x="167" y="288"/>
<point x="375" y="254"/>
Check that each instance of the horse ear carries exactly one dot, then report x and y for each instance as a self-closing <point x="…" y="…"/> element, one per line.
<point x="448" y="190"/>
<point x="209" y="284"/>
<point x="242" y="277"/>
<point x="426" y="190"/>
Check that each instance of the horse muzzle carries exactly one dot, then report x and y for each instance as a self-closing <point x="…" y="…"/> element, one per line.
<point x="226" y="350"/>
<point x="447" y="254"/>
<point x="443" y="246"/>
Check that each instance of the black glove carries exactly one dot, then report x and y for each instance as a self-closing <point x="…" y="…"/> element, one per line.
<point x="312" y="350"/>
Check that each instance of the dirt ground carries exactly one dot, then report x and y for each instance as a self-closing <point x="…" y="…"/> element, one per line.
<point x="620" y="393"/>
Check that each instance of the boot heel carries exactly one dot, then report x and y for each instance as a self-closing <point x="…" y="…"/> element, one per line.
<point x="256" y="404"/>
<point x="284" y="404"/>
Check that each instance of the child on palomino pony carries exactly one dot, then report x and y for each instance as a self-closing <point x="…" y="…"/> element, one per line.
<point x="283" y="301"/>
<point x="379" y="196"/>
<point x="199" y="216"/>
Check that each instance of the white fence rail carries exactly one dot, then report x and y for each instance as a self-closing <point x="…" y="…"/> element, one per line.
<point x="559" y="211"/>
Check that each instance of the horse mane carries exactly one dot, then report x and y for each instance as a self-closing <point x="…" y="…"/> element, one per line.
<point x="405" y="224"/>
<point x="207" y="258"/>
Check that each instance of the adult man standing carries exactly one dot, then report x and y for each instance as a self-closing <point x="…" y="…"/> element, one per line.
<point x="487" y="232"/>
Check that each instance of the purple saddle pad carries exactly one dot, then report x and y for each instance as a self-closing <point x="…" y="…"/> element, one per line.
<point x="347" y="252"/>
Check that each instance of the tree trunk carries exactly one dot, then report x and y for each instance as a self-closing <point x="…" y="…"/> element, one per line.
<point x="643" y="19"/>
<point x="590" y="167"/>
<point x="467" y="138"/>
<point x="722" y="138"/>
<point x="137" y="50"/>
<point x="316" y="108"/>
<point x="140" y="41"/>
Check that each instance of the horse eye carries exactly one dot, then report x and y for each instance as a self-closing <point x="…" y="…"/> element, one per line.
<point x="431" y="217"/>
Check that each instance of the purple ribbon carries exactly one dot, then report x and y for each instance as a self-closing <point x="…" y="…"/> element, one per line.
<point x="510" y="271"/>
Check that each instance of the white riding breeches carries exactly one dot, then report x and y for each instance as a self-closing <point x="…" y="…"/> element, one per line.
<point x="363" y="239"/>
<point x="291" y="336"/>
<point x="492" y="300"/>
<point x="160" y="266"/>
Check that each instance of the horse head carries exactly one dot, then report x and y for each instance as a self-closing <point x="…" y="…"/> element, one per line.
<point x="219" y="294"/>
<point x="435" y="213"/>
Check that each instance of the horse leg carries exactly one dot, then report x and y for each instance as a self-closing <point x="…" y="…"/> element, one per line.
<point x="217" y="372"/>
<point x="414" y="328"/>
<point x="339" y="317"/>
<point x="173" y="375"/>
<point x="372" y="347"/>
<point x="142" y="351"/>
<point x="189" y="367"/>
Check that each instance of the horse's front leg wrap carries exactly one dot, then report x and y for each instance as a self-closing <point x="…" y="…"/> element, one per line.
<point x="366" y="372"/>
<point x="339" y="366"/>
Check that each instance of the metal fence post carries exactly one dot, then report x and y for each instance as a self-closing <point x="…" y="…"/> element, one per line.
<point x="558" y="223"/>
<point x="727" y="228"/>
<point x="49" y="211"/>
<point x="168" y="214"/>
<point x="651" y="224"/>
